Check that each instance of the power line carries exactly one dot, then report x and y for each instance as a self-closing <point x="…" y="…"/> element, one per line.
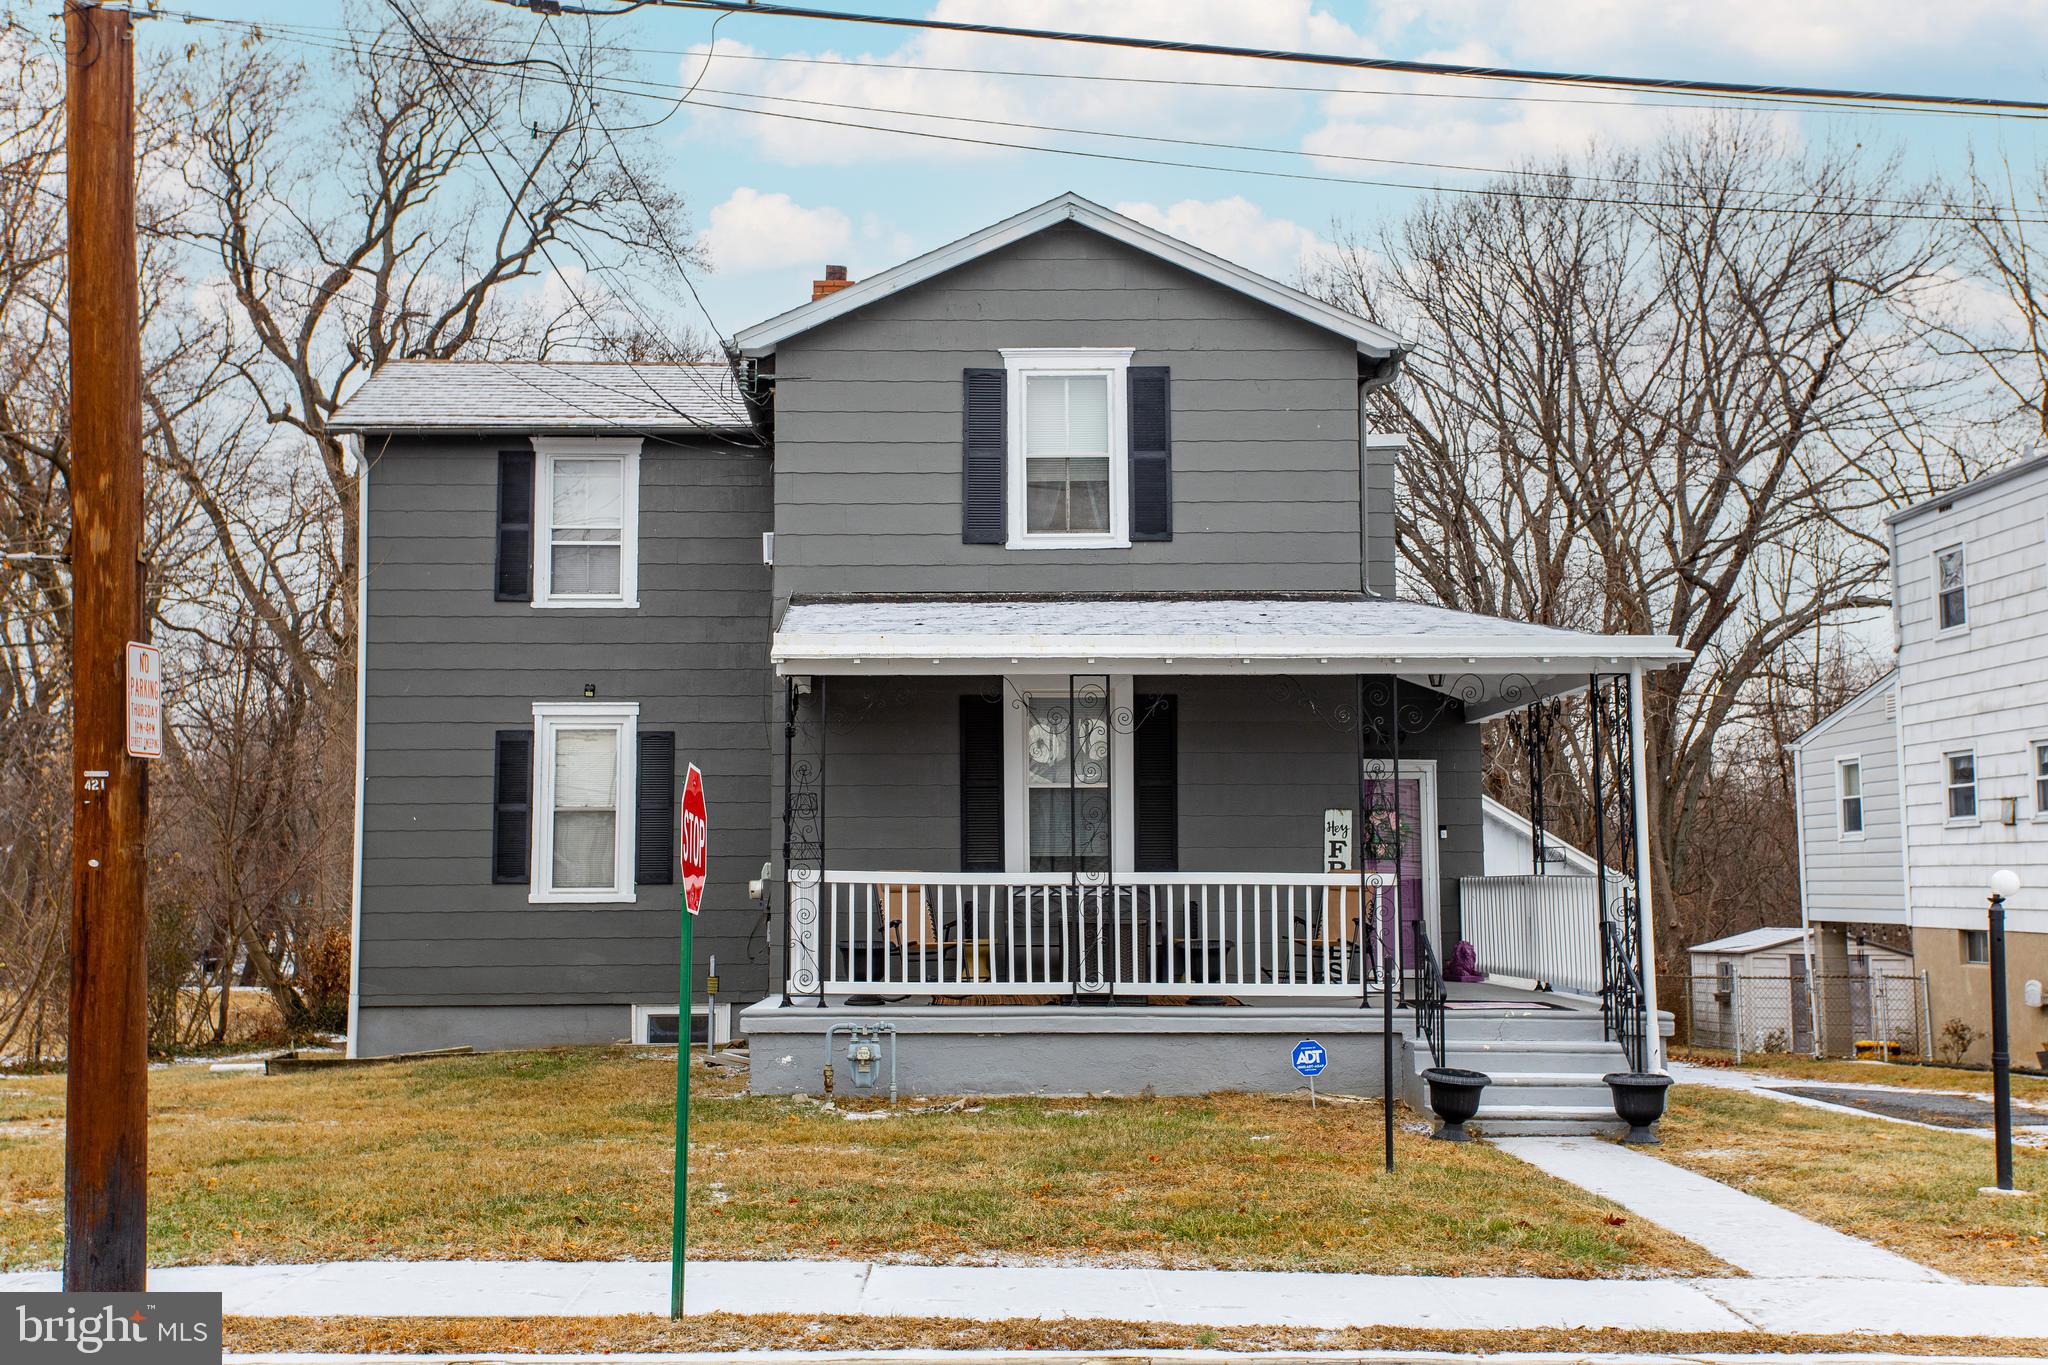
<point x="1404" y="66"/>
<point x="1523" y="189"/>
<point x="1747" y="103"/>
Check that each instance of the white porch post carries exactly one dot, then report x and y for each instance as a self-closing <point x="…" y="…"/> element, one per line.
<point x="1653" y="1040"/>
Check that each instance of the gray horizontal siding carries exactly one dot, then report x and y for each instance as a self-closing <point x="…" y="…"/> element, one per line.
<point x="1265" y="428"/>
<point x="447" y="667"/>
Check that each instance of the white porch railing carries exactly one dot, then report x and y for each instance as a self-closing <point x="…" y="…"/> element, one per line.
<point x="1539" y="928"/>
<point x="1142" y="934"/>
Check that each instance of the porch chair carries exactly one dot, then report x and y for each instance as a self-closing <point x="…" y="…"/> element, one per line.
<point x="910" y="950"/>
<point x="1337" y="935"/>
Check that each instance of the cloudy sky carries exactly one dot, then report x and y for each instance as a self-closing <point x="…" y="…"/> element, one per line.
<point x="781" y="186"/>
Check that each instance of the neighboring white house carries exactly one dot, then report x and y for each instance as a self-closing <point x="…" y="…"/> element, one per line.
<point x="1921" y="786"/>
<point x="1753" y="986"/>
<point x="1510" y="850"/>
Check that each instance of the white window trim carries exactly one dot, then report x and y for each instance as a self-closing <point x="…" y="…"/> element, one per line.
<point x="1969" y="614"/>
<point x="720" y="1032"/>
<point x="549" y="717"/>
<point x="547" y="449"/>
<point x="1976" y="790"/>
<point x="2035" y="778"/>
<point x="1114" y="361"/>
<point x="1842" y="831"/>
<point x="1963" y="945"/>
<point x="1016" y="796"/>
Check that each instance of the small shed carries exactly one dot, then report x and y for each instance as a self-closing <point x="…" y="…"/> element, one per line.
<point x="1749" y="991"/>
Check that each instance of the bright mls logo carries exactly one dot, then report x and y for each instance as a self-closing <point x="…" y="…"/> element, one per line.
<point x="162" y="1329"/>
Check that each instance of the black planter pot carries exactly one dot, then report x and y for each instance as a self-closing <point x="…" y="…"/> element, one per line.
<point x="1454" y="1095"/>
<point x="1638" y="1102"/>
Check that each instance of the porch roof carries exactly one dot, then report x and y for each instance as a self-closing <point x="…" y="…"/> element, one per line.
<point x="1492" y="663"/>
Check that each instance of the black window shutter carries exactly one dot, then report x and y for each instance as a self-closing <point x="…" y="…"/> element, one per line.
<point x="1151" y="397"/>
<point x="512" y="806"/>
<point x="515" y="526"/>
<point x="654" y="822"/>
<point x="1155" y="790"/>
<point x="983" y="455"/>
<point x="981" y="784"/>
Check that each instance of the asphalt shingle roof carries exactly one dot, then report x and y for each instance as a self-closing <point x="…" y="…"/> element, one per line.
<point x="596" y="397"/>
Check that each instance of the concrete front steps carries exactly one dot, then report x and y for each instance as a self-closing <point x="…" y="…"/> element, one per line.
<point x="1546" y="1067"/>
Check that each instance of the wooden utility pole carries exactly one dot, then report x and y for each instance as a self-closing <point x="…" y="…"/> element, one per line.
<point x="107" y="1063"/>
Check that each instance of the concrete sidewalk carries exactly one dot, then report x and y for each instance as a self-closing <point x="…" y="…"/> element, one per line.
<point x="1219" y="1298"/>
<point x="1743" y="1230"/>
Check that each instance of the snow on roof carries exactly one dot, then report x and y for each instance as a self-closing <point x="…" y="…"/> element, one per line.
<point x="487" y="395"/>
<point x="1338" y="633"/>
<point x="1370" y="338"/>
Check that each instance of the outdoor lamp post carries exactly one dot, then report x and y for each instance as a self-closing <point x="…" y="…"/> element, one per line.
<point x="2004" y="882"/>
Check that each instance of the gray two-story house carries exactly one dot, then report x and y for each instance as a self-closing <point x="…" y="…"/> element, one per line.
<point x="1030" y="610"/>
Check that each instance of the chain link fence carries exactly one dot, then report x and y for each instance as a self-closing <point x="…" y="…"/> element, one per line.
<point x="1877" y="1016"/>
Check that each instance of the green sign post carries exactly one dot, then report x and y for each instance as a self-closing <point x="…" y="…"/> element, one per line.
<point x="696" y="850"/>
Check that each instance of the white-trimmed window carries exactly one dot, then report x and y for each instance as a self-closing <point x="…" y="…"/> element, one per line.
<point x="2040" y="753"/>
<point x="586" y="521"/>
<point x="1069" y="448"/>
<point x="1849" y="797"/>
<point x="1976" y="947"/>
<point x="583" y="801"/>
<point x="1951" y="592"/>
<point x="1960" y="770"/>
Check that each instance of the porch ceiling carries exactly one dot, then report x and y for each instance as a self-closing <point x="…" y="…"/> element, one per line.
<point x="1491" y="663"/>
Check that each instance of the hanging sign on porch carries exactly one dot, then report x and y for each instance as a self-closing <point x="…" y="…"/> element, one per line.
<point x="1337" y="841"/>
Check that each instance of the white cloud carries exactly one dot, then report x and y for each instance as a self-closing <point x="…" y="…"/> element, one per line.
<point x="754" y="231"/>
<point x="1237" y="230"/>
<point x="1150" y="92"/>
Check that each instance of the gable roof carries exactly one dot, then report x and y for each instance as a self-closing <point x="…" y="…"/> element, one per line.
<point x="1882" y="685"/>
<point x="2035" y="459"/>
<point x="539" y="396"/>
<point x="1370" y="338"/>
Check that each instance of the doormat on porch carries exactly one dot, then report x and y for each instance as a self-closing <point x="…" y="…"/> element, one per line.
<point x="1502" y="1005"/>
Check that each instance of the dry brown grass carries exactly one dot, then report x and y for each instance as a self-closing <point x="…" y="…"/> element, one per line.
<point x="731" y="1332"/>
<point x="565" y="1155"/>
<point x="1911" y="1189"/>
<point x="1910" y="1075"/>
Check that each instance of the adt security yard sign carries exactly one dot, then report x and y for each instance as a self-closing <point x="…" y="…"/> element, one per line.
<point x="1310" y="1059"/>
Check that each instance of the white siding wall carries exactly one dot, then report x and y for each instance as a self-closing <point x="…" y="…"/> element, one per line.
<point x="1848" y="878"/>
<point x="1983" y="688"/>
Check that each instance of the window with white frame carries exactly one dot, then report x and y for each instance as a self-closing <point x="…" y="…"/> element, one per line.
<point x="2041" y="779"/>
<point x="1952" y="605"/>
<point x="587" y="510"/>
<point x="1068" y="801"/>
<point x="1069" y="443"/>
<point x="1976" y="946"/>
<point x="1962" y="785"/>
<point x="583" y="801"/>
<point x="1849" y="796"/>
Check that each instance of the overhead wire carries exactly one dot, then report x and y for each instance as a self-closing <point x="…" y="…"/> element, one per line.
<point x="1856" y="205"/>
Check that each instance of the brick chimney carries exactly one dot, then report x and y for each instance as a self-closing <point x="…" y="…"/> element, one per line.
<point x="834" y="281"/>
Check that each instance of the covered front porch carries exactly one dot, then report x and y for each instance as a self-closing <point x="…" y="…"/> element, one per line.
<point x="1100" y="844"/>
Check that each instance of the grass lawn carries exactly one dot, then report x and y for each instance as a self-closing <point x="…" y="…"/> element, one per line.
<point x="1910" y="1075"/>
<point x="566" y="1154"/>
<point x="1911" y="1189"/>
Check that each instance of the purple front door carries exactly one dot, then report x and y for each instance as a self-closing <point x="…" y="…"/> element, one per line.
<point x="1394" y="820"/>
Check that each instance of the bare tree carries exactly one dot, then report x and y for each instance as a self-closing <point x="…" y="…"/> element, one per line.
<point x="1679" y="407"/>
<point x="1994" y="311"/>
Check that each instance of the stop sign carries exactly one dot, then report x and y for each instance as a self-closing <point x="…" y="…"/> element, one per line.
<point x="696" y="840"/>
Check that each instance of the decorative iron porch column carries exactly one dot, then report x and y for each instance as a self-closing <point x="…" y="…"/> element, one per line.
<point x="803" y="849"/>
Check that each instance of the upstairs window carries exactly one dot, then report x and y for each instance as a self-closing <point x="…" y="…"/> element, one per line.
<point x="2041" y="779"/>
<point x="1849" y="794"/>
<point x="588" y="510"/>
<point x="1962" y="786"/>
<point x="1069" y="473"/>
<point x="1952" y="607"/>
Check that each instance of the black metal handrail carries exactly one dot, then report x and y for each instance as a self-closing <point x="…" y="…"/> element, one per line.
<point x="1430" y="996"/>
<point x="1621" y="1003"/>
